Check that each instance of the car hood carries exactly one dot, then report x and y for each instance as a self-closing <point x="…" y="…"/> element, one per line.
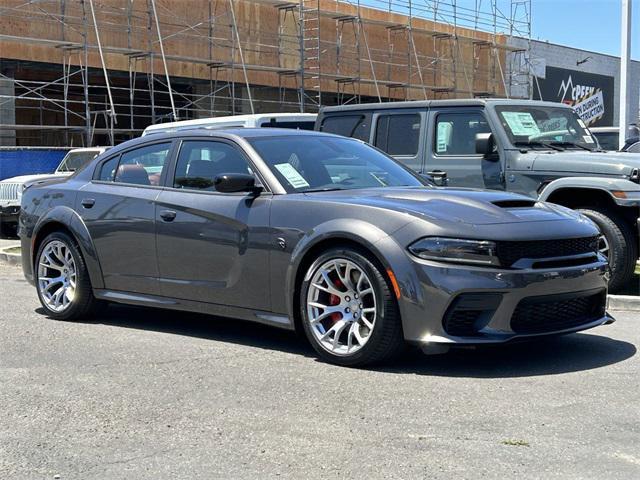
<point x="31" y="179"/>
<point x="613" y="163"/>
<point x="458" y="205"/>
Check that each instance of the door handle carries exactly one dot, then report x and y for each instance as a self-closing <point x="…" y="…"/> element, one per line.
<point x="168" y="215"/>
<point x="439" y="176"/>
<point x="88" y="202"/>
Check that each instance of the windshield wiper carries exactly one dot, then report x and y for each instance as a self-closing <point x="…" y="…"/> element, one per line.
<point x="538" y="143"/>
<point x="573" y="144"/>
<point x="326" y="189"/>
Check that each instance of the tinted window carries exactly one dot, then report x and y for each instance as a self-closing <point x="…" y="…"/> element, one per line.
<point x="315" y="162"/>
<point x="298" y="125"/>
<point x="199" y="162"/>
<point x="143" y="166"/>
<point x="108" y="169"/>
<point x="354" y="126"/>
<point x="456" y="133"/>
<point x="398" y="134"/>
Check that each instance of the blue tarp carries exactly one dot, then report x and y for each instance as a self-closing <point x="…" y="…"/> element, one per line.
<point x="14" y="162"/>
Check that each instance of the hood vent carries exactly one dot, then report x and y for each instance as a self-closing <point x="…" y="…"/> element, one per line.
<point x="514" y="203"/>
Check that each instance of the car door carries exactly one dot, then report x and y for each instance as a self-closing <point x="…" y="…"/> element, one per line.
<point x="213" y="247"/>
<point x="118" y="208"/>
<point x="452" y="150"/>
<point x="398" y="133"/>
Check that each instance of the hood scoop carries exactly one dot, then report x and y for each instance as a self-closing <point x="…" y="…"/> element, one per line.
<point x="519" y="203"/>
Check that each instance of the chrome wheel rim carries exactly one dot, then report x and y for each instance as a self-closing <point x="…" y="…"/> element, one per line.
<point x="603" y="246"/>
<point x="341" y="307"/>
<point x="57" y="276"/>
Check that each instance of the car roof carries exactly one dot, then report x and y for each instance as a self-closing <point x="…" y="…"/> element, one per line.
<point x="228" y="133"/>
<point x="230" y="119"/>
<point x="457" y="102"/>
<point x="88" y="149"/>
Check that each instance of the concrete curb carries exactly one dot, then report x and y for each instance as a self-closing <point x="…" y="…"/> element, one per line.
<point x="10" y="258"/>
<point x="624" y="302"/>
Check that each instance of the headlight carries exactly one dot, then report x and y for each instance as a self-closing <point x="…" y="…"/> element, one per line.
<point x="476" y="252"/>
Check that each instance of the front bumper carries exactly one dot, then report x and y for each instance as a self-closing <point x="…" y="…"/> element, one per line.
<point x="9" y="218"/>
<point x="509" y="304"/>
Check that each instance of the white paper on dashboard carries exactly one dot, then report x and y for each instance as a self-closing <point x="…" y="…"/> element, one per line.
<point x="292" y="175"/>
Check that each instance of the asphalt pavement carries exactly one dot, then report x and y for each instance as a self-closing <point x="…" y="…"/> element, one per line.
<point x="148" y="394"/>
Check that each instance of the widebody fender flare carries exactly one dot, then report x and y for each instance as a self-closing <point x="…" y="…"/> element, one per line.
<point x="607" y="185"/>
<point x="381" y="244"/>
<point x="72" y="221"/>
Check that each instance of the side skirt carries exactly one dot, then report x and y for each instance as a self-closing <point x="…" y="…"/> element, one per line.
<point x="141" y="299"/>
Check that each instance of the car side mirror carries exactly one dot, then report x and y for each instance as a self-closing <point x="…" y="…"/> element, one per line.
<point x="486" y="146"/>
<point x="236" y="182"/>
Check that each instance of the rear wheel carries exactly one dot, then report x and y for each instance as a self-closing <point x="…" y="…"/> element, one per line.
<point x="348" y="311"/>
<point x="618" y="245"/>
<point x="62" y="280"/>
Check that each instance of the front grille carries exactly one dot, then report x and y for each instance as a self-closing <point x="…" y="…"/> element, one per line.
<point x="557" y="312"/>
<point x="510" y="252"/>
<point x="9" y="191"/>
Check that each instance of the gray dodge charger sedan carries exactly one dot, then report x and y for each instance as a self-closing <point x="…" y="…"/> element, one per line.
<point x="309" y="231"/>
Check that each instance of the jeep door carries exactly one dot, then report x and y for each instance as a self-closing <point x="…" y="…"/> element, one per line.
<point x="451" y="149"/>
<point x="398" y="133"/>
<point x="118" y="208"/>
<point x="212" y="246"/>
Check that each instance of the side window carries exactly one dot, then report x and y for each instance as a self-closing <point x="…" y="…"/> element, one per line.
<point x="456" y="133"/>
<point x="200" y="162"/>
<point x="108" y="169"/>
<point x="398" y="134"/>
<point x="355" y="126"/>
<point x="143" y="166"/>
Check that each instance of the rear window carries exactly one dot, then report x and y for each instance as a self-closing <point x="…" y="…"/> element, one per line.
<point x="296" y="125"/>
<point x="355" y="126"/>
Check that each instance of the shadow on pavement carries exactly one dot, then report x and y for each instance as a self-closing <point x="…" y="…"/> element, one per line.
<point x="547" y="356"/>
<point x="202" y="326"/>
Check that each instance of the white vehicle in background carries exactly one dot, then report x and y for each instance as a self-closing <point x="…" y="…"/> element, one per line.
<point x="298" y="121"/>
<point x="11" y="188"/>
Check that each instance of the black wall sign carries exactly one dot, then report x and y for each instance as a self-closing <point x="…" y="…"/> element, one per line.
<point x="590" y="94"/>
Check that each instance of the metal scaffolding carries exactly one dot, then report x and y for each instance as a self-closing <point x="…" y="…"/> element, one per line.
<point x="128" y="64"/>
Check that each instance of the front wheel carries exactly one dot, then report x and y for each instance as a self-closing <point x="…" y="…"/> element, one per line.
<point x="62" y="280"/>
<point x="348" y="310"/>
<point x="618" y="244"/>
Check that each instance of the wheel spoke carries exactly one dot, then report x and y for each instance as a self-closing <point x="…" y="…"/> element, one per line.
<point x="348" y="332"/>
<point x="330" y="285"/>
<point x="57" y="276"/>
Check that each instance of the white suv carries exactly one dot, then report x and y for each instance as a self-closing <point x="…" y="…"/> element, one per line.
<point x="11" y="189"/>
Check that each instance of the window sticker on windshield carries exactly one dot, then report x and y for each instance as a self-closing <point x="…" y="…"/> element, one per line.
<point x="292" y="175"/>
<point x="581" y="123"/>
<point x="587" y="138"/>
<point x="521" y="123"/>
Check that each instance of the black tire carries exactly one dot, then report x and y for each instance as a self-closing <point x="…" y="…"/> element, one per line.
<point x="386" y="339"/>
<point x="623" y="251"/>
<point x="84" y="304"/>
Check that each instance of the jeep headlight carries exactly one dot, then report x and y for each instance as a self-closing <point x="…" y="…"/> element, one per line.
<point x="456" y="250"/>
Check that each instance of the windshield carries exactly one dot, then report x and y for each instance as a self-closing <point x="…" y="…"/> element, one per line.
<point x="545" y="127"/>
<point x="74" y="160"/>
<point x="317" y="163"/>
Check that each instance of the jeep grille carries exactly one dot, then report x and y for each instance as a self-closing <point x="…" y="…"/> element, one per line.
<point x="9" y="191"/>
